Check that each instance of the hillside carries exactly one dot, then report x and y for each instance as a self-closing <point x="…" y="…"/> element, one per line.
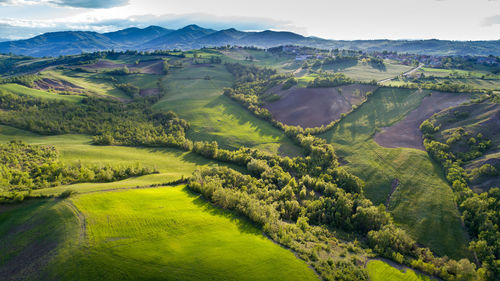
<point x="194" y="37"/>
<point x="240" y="163"/>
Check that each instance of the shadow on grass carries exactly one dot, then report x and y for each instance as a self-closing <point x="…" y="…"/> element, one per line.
<point x="243" y="223"/>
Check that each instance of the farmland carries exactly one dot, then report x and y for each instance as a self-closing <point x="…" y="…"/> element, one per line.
<point x="195" y="94"/>
<point x="313" y="107"/>
<point x="131" y="230"/>
<point x="238" y="163"/>
<point x="422" y="203"/>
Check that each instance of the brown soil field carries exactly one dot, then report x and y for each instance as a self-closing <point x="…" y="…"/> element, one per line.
<point x="149" y="92"/>
<point x="313" y="107"/>
<point x="57" y="85"/>
<point x="406" y="133"/>
<point x="144" y="67"/>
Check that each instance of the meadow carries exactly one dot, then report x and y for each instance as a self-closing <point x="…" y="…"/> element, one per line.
<point x="19" y="89"/>
<point x="423" y="202"/>
<point x="195" y="94"/>
<point x="363" y="71"/>
<point x="379" y="270"/>
<point x="91" y="82"/>
<point x="148" y="234"/>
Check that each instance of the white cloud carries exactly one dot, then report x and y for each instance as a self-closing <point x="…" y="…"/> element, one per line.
<point x="335" y="19"/>
<point x="91" y="4"/>
<point x="489" y="21"/>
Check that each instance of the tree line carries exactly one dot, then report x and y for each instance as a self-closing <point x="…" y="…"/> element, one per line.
<point x="27" y="167"/>
<point x="480" y="212"/>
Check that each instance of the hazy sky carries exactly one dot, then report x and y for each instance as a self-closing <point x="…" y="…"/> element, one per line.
<point x="334" y="19"/>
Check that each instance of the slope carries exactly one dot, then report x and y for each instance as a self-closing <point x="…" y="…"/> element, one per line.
<point x="421" y="202"/>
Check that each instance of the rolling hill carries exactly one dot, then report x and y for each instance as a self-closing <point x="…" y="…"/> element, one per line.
<point x="194" y="37"/>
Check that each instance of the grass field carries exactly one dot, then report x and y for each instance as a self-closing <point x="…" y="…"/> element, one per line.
<point x="172" y="164"/>
<point x="365" y="72"/>
<point x="144" y="234"/>
<point x="31" y="233"/>
<point x="89" y="81"/>
<point x="142" y="81"/>
<point x="381" y="271"/>
<point x="213" y="116"/>
<point x="22" y="90"/>
<point x="423" y="202"/>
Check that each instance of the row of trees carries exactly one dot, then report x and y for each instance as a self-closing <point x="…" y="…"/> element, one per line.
<point x="480" y="212"/>
<point x="330" y="80"/>
<point x="111" y="122"/>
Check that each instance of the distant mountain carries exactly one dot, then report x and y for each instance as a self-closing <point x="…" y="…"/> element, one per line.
<point x="270" y="38"/>
<point x="59" y="43"/>
<point x="194" y="36"/>
<point x="222" y="37"/>
<point x="137" y="36"/>
<point x="182" y="38"/>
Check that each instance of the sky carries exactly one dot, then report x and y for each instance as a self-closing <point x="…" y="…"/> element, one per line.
<point x="331" y="19"/>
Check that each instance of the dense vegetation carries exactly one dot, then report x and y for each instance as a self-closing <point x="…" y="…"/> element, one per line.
<point x="26" y="167"/>
<point x="305" y="203"/>
<point x="480" y="212"/>
<point x="109" y="121"/>
<point x="333" y="80"/>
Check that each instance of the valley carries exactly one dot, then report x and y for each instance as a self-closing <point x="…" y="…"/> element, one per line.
<point x="244" y="163"/>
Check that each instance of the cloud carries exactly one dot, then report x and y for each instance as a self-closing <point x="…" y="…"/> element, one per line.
<point x="489" y="21"/>
<point x="95" y="4"/>
<point x="89" y="4"/>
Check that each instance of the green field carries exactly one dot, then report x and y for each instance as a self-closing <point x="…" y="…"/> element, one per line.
<point x="172" y="164"/>
<point x="365" y="72"/>
<point x="147" y="234"/>
<point x="89" y="81"/>
<point x="213" y="116"/>
<point x="31" y="233"/>
<point x="22" y="90"/>
<point x="381" y="271"/>
<point x="423" y="203"/>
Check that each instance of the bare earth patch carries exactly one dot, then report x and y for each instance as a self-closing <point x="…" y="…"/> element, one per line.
<point x="313" y="107"/>
<point x="149" y="92"/>
<point x="144" y="67"/>
<point x="57" y="85"/>
<point x="406" y="133"/>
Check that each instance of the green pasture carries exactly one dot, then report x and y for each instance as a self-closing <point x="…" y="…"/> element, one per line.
<point x="195" y="94"/>
<point x="365" y="72"/>
<point x="171" y="163"/>
<point x="164" y="233"/>
<point x="423" y="203"/>
<point x="22" y="90"/>
<point x="92" y="83"/>
<point x="169" y="234"/>
<point x="381" y="271"/>
<point x="31" y="233"/>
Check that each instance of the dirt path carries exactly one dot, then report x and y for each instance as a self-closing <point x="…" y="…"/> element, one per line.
<point x="404" y="74"/>
<point x="81" y="220"/>
<point x="394" y="186"/>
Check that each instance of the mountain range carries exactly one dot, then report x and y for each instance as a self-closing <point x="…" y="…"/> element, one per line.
<point x="194" y="37"/>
